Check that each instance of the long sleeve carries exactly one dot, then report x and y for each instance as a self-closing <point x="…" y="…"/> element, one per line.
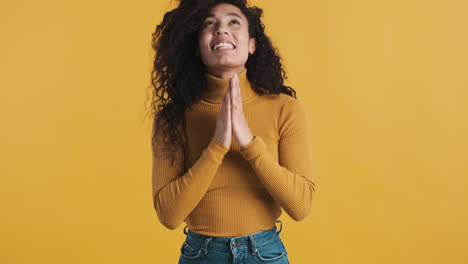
<point x="290" y="182"/>
<point x="176" y="192"/>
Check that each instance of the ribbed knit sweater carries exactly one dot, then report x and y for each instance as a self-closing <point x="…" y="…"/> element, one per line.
<point x="235" y="191"/>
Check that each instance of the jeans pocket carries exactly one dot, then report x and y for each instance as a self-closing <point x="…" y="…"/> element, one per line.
<point x="190" y="250"/>
<point x="272" y="251"/>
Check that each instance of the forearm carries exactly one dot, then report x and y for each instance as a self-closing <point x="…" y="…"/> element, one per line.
<point x="294" y="191"/>
<point x="175" y="199"/>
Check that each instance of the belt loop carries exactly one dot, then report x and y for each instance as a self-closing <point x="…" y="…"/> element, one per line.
<point x="281" y="227"/>
<point x="185" y="232"/>
<point x="205" y="244"/>
<point x="254" y="246"/>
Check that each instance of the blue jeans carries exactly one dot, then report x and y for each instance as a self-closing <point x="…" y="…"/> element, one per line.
<point x="262" y="247"/>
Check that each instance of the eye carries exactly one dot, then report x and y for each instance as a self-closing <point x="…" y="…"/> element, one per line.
<point x="207" y="23"/>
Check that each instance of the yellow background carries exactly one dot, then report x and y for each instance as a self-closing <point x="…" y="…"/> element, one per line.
<point x="386" y="86"/>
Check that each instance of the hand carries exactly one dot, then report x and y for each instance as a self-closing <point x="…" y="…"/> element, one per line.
<point x="223" y="131"/>
<point x="240" y="127"/>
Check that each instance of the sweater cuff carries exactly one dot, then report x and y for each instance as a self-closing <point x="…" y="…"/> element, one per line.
<point x="216" y="150"/>
<point x="253" y="149"/>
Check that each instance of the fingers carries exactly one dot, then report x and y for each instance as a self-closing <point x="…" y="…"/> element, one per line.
<point x="228" y="104"/>
<point x="235" y="85"/>
<point x="234" y="91"/>
<point x="238" y="85"/>
<point x="232" y="84"/>
<point x="226" y="107"/>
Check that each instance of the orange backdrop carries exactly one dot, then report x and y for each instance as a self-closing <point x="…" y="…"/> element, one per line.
<point x="385" y="83"/>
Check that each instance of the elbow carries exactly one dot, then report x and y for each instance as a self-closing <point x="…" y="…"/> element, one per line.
<point x="168" y="221"/>
<point x="299" y="213"/>
<point x="304" y="210"/>
<point x="299" y="216"/>
<point x="165" y="218"/>
<point x="169" y="224"/>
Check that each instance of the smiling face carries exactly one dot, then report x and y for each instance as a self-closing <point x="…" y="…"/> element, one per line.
<point x="225" y="24"/>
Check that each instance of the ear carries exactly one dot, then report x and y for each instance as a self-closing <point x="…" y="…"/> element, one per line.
<point x="252" y="44"/>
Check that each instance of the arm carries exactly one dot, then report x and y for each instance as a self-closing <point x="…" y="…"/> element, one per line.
<point x="291" y="181"/>
<point x="176" y="192"/>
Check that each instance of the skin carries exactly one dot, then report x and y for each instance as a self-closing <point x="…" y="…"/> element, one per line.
<point x="226" y="64"/>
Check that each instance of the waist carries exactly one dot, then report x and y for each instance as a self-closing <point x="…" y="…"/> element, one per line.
<point x="232" y="219"/>
<point x="227" y="243"/>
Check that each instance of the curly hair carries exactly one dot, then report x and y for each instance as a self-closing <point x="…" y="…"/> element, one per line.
<point x="178" y="76"/>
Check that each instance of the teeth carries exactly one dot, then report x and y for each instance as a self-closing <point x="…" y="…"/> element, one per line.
<point x="223" y="45"/>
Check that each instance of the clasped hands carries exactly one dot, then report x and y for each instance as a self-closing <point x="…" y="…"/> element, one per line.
<point x="231" y="120"/>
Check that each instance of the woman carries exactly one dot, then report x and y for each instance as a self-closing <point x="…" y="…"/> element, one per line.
<point x="230" y="141"/>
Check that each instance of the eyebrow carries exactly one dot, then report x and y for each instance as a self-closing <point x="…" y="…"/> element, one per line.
<point x="229" y="14"/>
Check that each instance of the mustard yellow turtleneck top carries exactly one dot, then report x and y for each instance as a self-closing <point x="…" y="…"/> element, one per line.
<point x="236" y="191"/>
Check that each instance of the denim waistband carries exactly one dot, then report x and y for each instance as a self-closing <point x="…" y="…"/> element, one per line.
<point x="227" y="243"/>
<point x="203" y="236"/>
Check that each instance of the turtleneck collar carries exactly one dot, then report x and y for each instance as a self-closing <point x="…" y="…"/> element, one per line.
<point x="217" y="88"/>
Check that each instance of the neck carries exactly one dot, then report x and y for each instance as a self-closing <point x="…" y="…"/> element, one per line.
<point x="224" y="73"/>
<point x="218" y="87"/>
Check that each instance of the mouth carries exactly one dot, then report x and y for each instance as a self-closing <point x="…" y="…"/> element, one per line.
<point x="222" y="50"/>
<point x="223" y="46"/>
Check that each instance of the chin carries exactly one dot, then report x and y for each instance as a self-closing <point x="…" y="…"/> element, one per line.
<point x="229" y="64"/>
<point x="225" y="66"/>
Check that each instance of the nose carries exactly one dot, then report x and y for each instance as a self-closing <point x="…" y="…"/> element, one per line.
<point x="220" y="30"/>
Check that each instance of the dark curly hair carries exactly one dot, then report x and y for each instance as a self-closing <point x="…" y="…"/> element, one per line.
<point x="179" y="77"/>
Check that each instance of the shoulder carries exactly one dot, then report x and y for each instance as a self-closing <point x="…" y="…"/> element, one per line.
<point x="291" y="105"/>
<point x="281" y="104"/>
<point x="293" y="116"/>
<point x="282" y="100"/>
